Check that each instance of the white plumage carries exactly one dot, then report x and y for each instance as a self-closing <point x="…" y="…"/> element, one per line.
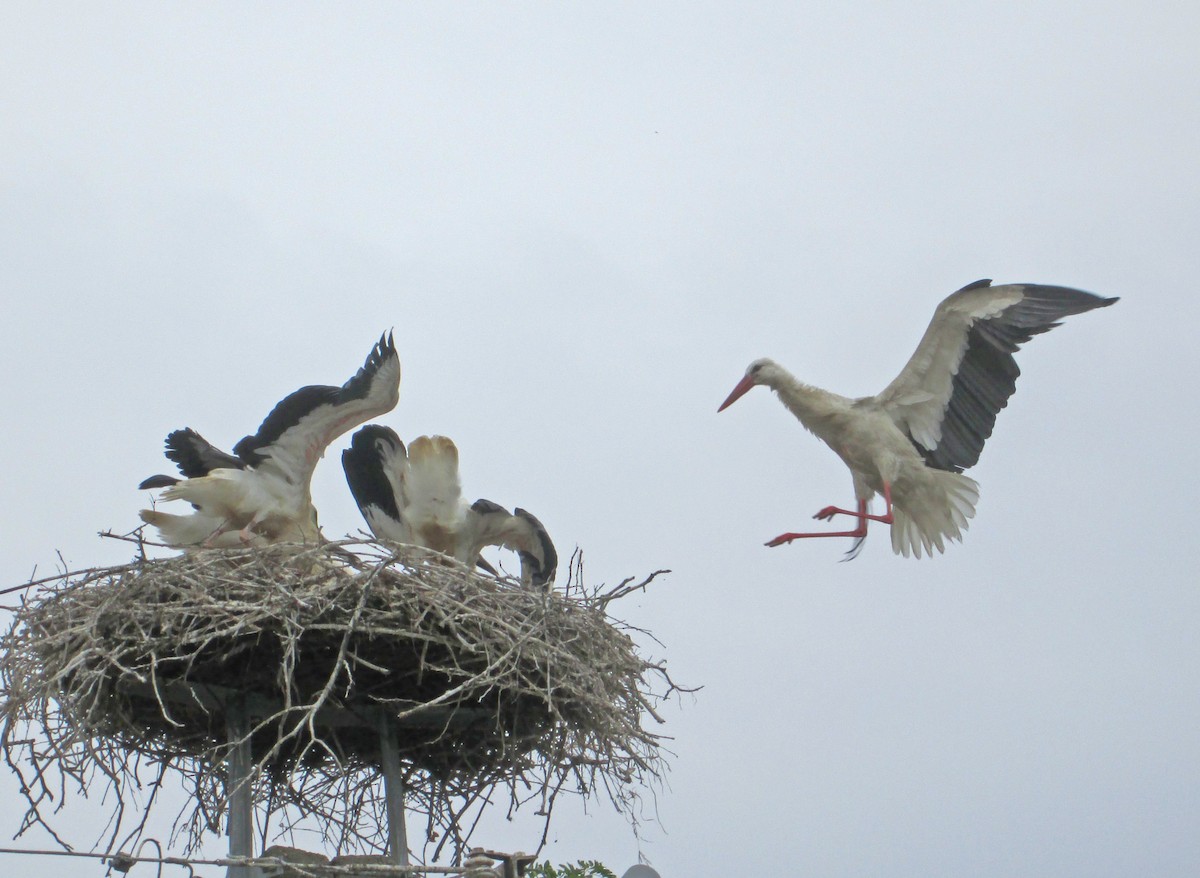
<point x="414" y="496"/>
<point x="911" y="442"/>
<point x="261" y="493"/>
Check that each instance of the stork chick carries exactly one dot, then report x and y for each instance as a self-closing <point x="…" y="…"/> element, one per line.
<point x="414" y="496"/>
<point x="262" y="492"/>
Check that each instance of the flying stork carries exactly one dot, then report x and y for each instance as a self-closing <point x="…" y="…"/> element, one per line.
<point x="911" y="442"/>
<point x="262" y="492"/>
<point x="414" y="496"/>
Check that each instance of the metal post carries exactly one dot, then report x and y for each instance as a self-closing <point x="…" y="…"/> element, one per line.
<point x="238" y="789"/>
<point x="393" y="789"/>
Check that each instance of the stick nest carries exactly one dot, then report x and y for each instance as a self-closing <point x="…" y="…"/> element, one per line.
<point x="124" y="674"/>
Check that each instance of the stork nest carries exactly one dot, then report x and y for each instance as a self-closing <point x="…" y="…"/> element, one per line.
<point x="125" y="674"/>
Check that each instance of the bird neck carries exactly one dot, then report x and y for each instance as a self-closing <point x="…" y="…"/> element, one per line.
<point x="811" y="405"/>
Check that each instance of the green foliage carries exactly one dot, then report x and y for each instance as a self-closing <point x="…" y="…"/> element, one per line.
<point x="581" y="869"/>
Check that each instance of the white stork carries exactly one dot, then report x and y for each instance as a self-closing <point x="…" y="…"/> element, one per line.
<point x="414" y="496"/>
<point x="261" y="493"/>
<point x="911" y="442"/>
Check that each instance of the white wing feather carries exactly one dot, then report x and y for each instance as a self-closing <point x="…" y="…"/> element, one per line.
<point x="917" y="398"/>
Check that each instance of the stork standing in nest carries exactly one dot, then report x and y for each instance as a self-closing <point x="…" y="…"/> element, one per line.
<point x="414" y="496"/>
<point x="911" y="442"/>
<point x="262" y="492"/>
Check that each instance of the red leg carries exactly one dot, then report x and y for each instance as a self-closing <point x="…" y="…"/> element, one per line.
<point x="211" y="539"/>
<point x="830" y="511"/>
<point x="858" y="533"/>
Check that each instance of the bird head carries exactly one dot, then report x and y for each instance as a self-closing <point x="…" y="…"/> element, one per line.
<point x="759" y="372"/>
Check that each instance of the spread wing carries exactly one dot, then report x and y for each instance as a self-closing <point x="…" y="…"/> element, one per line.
<point x="962" y="373"/>
<point x="296" y="433"/>
<point x="520" y="532"/>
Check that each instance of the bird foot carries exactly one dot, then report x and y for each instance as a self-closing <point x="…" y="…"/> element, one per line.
<point x="828" y="513"/>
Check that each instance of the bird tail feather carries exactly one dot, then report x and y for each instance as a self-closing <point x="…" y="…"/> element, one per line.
<point x="936" y="507"/>
<point x="180" y="530"/>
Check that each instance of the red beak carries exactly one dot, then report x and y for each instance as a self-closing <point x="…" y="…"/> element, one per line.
<point x="738" y="392"/>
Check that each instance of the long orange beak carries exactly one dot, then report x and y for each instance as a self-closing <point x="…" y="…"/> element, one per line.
<point x="738" y="392"/>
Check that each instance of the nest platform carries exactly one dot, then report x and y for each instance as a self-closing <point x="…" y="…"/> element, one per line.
<point x="126" y="673"/>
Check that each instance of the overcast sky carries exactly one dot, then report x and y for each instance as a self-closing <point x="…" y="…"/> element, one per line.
<point x="583" y="222"/>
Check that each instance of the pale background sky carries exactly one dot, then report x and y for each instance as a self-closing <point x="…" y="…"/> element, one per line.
<point x="583" y="221"/>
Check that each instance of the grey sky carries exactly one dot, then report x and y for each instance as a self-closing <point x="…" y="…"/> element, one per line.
<point x="583" y="222"/>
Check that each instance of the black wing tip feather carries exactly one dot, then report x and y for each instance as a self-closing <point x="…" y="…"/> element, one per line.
<point x="987" y="373"/>
<point x="1105" y="301"/>
<point x="196" y="456"/>
<point x="359" y="384"/>
<point x="180" y="444"/>
<point x="363" y="466"/>
<point x="1084" y="300"/>
<point x="1065" y="301"/>
<point x="292" y="408"/>
<point x="159" y="481"/>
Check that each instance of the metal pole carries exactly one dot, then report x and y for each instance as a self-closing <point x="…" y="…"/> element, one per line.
<point x="237" y="789"/>
<point x="393" y="790"/>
